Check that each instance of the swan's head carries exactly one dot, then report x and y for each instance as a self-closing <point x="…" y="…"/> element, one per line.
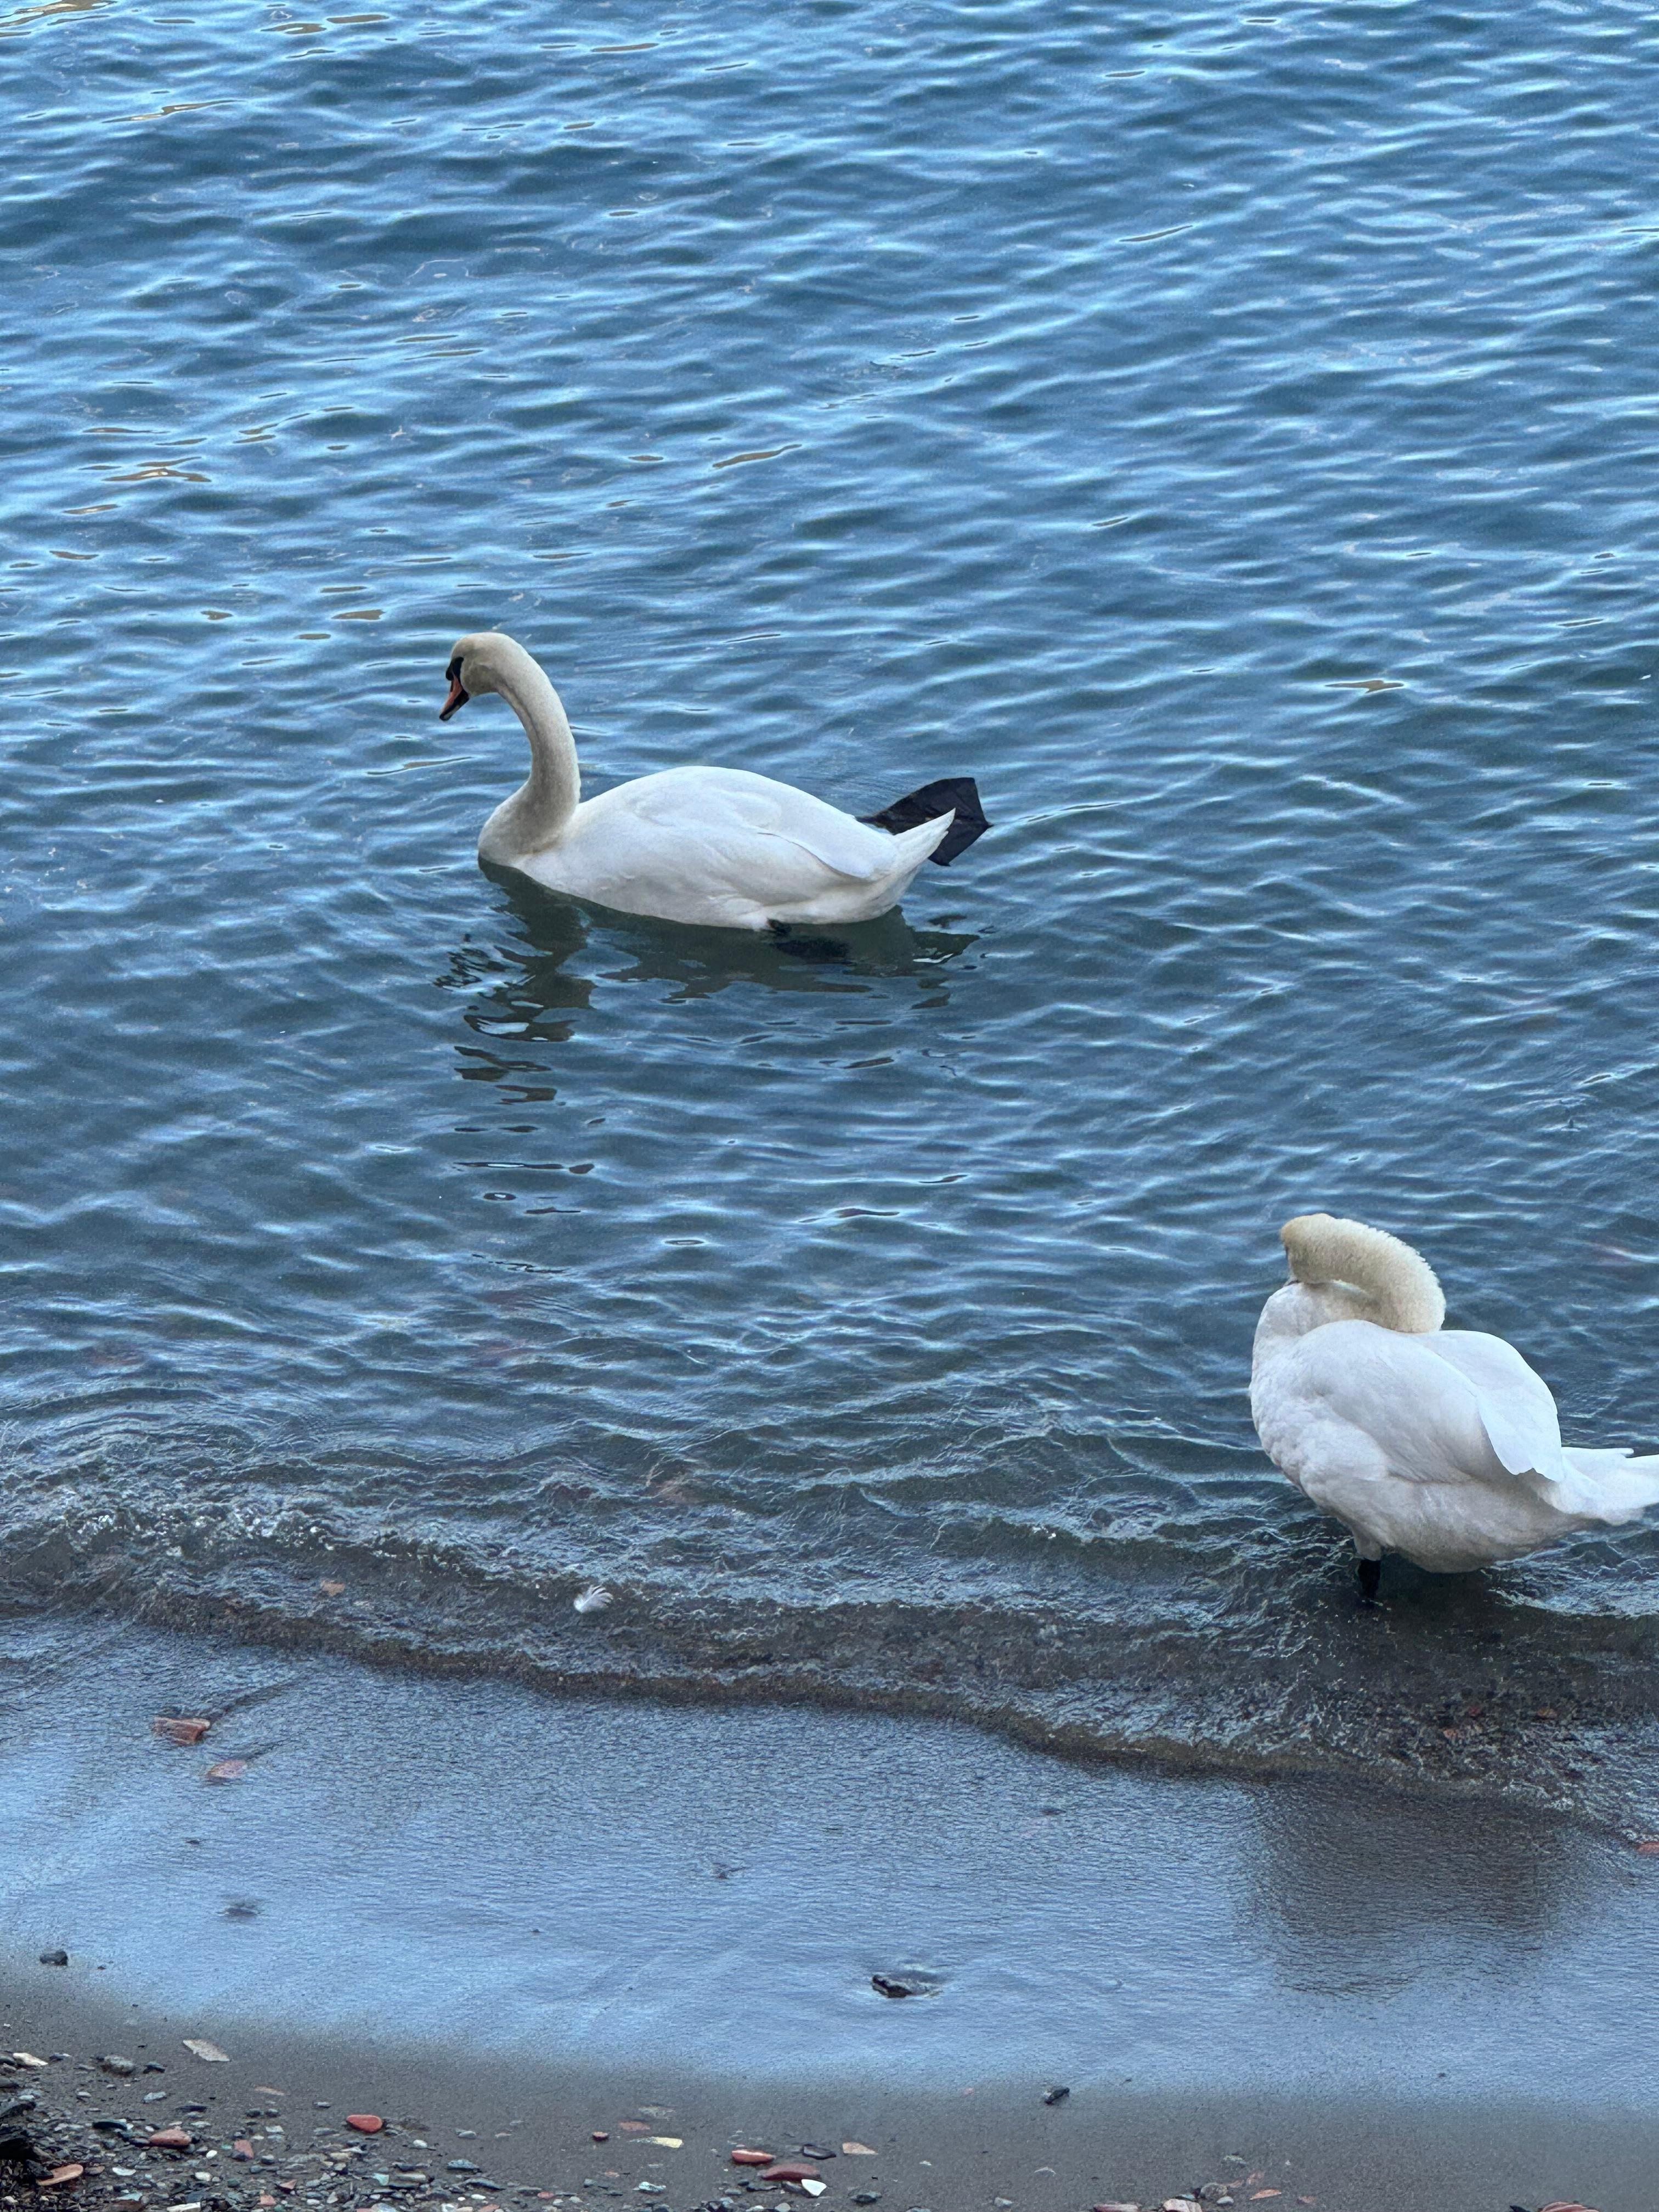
<point x="1397" y="1287"/>
<point x="473" y="667"/>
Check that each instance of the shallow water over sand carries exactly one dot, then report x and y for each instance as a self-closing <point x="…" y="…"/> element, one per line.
<point x="1224" y="436"/>
<point x="631" y="1888"/>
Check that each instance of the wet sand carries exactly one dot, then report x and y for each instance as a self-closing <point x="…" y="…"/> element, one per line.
<point x="528" y="2129"/>
<point x="463" y="1906"/>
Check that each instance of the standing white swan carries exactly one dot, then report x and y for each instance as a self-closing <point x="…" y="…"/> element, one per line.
<point x="714" y="845"/>
<point x="1438" y="1443"/>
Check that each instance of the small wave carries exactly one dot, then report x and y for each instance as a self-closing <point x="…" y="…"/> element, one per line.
<point x="1128" y="1639"/>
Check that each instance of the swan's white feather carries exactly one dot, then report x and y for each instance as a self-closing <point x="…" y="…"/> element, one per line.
<point x="1512" y="1399"/>
<point x="1441" y="1444"/>
<point x="721" y="845"/>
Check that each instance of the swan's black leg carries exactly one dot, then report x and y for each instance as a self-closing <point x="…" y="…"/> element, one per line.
<point x="1370" y="1574"/>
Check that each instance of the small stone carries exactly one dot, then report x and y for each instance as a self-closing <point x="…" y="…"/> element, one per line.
<point x="601" y="2135"/>
<point x="790" y="2170"/>
<point x="241" y="2148"/>
<point x="367" y="2123"/>
<point x="866" y="2196"/>
<point x="54" y="1958"/>
<point x="1057" y="2095"/>
<point x="752" y="2158"/>
<point x="463" y="2165"/>
<point x="180" y="1731"/>
<point x="200" y="2047"/>
<point x="114" y="2063"/>
<point x="170" y="2139"/>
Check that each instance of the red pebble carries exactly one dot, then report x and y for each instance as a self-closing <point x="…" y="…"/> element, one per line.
<point x="241" y="2148"/>
<point x="752" y="2158"/>
<point x="367" y="2123"/>
<point x="178" y="1731"/>
<point x="170" y="2139"/>
<point x="790" y="2170"/>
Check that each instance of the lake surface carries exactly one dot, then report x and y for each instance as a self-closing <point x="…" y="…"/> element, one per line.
<point x="1226" y="436"/>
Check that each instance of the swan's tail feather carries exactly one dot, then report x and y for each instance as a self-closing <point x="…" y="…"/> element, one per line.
<point x="1616" y="1485"/>
<point x="951" y="794"/>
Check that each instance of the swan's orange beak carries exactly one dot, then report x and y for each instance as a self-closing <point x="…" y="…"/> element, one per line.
<point x="457" y="699"/>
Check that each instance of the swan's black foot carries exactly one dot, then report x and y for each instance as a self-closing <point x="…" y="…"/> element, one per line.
<point x="1370" y="1574"/>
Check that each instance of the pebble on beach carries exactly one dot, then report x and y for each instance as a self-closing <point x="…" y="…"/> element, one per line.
<point x="180" y="1731"/>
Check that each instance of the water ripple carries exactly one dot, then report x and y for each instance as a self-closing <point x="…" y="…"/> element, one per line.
<point x="1225" y="437"/>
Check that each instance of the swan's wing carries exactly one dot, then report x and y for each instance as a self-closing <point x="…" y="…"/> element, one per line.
<point x="731" y="813"/>
<point x="1423" y="1410"/>
<point x="1514" y="1403"/>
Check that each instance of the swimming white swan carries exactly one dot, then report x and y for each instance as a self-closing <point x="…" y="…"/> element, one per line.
<point x="1438" y="1443"/>
<point x="696" y="844"/>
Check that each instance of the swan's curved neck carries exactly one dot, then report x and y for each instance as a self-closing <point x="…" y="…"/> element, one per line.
<point x="539" y="809"/>
<point x="1400" y="1289"/>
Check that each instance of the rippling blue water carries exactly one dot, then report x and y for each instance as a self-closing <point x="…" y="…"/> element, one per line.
<point x="1228" y="437"/>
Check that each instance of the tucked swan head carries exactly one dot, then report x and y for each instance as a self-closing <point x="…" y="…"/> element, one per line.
<point x="1384" y="1281"/>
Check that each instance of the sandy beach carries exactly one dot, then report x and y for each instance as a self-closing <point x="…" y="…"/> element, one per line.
<point x="462" y="2132"/>
<point x="465" y="1907"/>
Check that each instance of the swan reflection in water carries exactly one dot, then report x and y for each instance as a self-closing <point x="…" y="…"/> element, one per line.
<point x="535" y="991"/>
